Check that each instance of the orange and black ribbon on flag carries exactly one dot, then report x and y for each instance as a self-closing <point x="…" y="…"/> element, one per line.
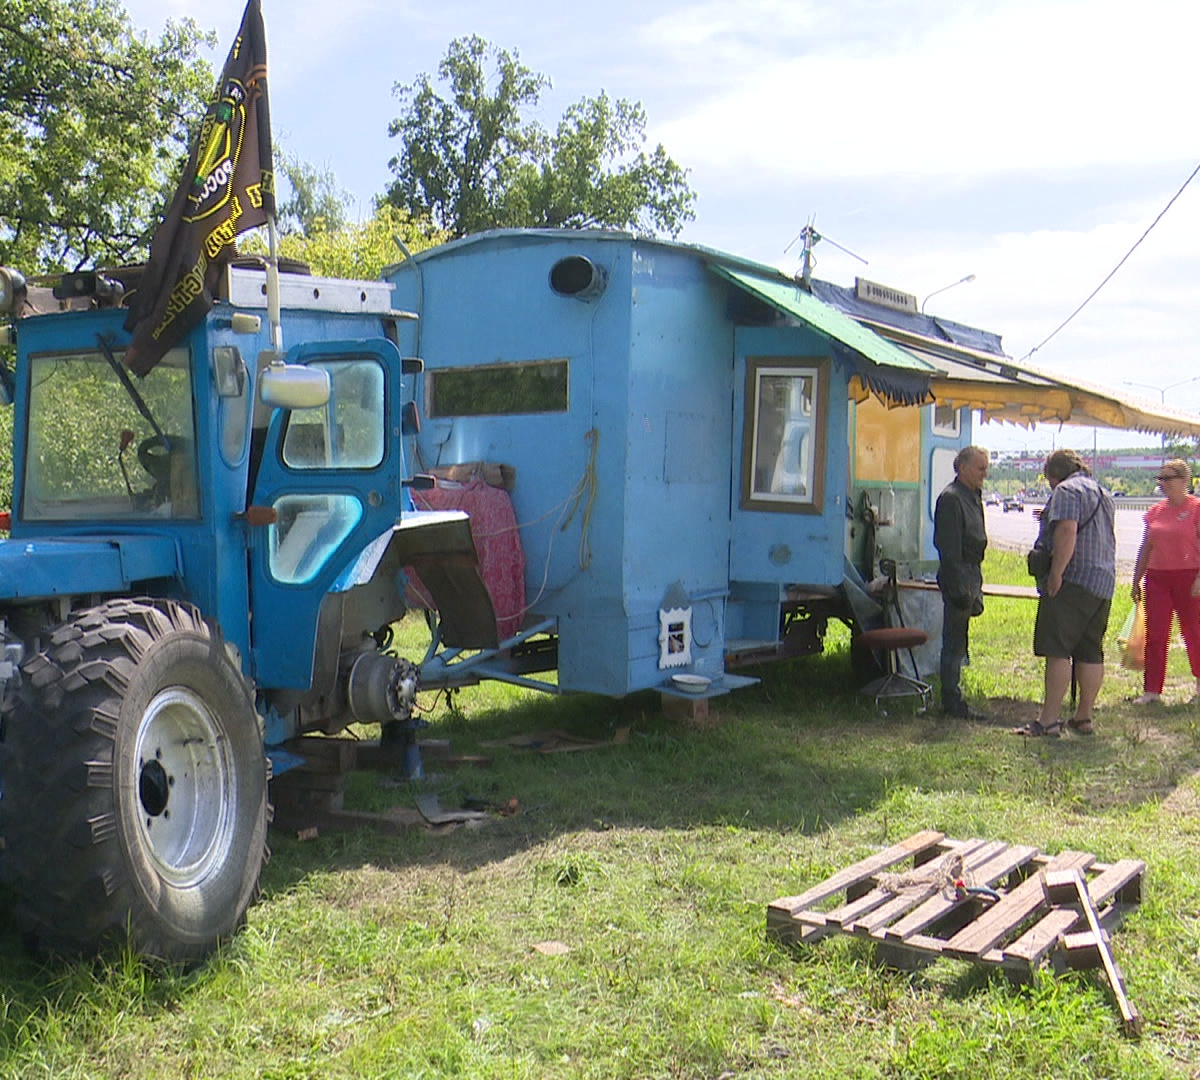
<point x="228" y="187"/>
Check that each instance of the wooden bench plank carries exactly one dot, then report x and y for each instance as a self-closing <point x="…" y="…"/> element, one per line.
<point x="1006" y="916"/>
<point x="1012" y="592"/>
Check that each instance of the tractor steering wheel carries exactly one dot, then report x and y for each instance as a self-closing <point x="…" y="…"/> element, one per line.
<point x="154" y="456"/>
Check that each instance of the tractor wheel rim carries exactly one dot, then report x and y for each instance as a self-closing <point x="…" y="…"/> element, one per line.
<point x="184" y="792"/>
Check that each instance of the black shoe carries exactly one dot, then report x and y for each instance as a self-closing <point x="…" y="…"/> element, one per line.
<point x="965" y="712"/>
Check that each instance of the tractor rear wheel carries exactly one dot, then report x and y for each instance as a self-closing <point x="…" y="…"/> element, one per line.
<point x="134" y="784"/>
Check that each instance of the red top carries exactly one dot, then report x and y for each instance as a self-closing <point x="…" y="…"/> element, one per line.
<point x="1173" y="535"/>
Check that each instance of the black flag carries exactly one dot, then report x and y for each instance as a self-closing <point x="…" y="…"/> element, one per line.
<point x="228" y="187"/>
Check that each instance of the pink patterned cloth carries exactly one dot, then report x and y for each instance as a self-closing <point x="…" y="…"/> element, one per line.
<point x="497" y="542"/>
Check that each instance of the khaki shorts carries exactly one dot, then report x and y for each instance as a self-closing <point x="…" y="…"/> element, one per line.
<point x="1071" y="625"/>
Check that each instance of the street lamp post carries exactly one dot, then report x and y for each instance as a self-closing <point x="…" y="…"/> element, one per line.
<point x="960" y="281"/>
<point x="1162" y="397"/>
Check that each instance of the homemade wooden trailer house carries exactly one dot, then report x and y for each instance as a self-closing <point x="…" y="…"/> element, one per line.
<point x="704" y="457"/>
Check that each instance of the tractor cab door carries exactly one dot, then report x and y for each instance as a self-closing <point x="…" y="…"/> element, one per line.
<point x="333" y="477"/>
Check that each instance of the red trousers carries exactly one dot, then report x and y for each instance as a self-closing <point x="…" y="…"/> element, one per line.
<point x="1169" y="592"/>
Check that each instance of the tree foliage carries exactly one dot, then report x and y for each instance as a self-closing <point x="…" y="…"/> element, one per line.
<point x="471" y="161"/>
<point x="94" y="123"/>
<point x="315" y="203"/>
<point x="353" y="250"/>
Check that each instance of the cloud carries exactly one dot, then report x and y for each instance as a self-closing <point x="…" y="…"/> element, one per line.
<point x="1015" y="86"/>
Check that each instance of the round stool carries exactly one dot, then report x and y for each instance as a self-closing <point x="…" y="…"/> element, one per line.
<point x="890" y="640"/>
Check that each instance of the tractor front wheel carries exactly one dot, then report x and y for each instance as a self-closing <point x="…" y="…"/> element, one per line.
<point x="134" y="785"/>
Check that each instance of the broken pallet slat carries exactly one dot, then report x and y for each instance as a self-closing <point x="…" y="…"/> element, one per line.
<point x="1056" y="885"/>
<point x="1122" y="879"/>
<point x="781" y="912"/>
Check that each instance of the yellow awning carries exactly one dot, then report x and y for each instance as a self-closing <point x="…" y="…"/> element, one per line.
<point x="1061" y="402"/>
<point x="1005" y="390"/>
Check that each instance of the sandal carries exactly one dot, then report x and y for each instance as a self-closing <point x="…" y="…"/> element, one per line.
<point x="1081" y="727"/>
<point x="1035" y="729"/>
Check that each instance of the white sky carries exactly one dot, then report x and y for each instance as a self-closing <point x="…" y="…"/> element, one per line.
<point x="1028" y="143"/>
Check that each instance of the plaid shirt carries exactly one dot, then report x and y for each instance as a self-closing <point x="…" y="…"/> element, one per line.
<point x="1094" y="564"/>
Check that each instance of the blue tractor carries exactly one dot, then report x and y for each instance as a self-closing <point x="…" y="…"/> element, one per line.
<point x="201" y="566"/>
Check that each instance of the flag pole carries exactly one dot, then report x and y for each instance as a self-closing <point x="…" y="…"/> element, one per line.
<point x="273" y="289"/>
<point x="273" y="316"/>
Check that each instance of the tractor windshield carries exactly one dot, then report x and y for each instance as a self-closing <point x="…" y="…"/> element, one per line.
<point x="92" y="454"/>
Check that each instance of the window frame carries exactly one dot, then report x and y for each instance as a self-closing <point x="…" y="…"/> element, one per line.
<point x="758" y="367"/>
<point x="946" y="430"/>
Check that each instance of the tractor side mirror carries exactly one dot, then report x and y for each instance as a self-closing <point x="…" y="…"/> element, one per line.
<point x="292" y="386"/>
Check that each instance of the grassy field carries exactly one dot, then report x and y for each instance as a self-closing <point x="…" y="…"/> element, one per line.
<point x="615" y="926"/>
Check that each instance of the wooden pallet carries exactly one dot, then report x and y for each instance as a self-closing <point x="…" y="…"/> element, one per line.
<point x="1018" y="932"/>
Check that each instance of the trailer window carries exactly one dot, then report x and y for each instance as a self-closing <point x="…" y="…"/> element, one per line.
<point x="784" y="443"/>
<point x="535" y="386"/>
<point x="92" y="453"/>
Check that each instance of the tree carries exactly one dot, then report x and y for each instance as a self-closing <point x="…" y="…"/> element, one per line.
<point x="352" y="250"/>
<point x="575" y="189"/>
<point x="315" y="204"/>
<point x="94" y="122"/>
<point x="471" y="161"/>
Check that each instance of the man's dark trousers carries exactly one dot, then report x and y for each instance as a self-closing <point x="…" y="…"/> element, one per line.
<point x="955" y="621"/>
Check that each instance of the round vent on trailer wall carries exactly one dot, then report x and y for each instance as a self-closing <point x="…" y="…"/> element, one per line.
<point x="578" y="277"/>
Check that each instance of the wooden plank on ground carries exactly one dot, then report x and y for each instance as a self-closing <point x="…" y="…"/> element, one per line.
<point x="781" y="912"/>
<point x="848" y="914"/>
<point x="1003" y="918"/>
<point x="1033" y="946"/>
<point x="1131" y="1021"/>
<point x="1000" y="865"/>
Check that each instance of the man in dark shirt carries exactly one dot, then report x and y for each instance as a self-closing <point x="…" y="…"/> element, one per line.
<point x="960" y="536"/>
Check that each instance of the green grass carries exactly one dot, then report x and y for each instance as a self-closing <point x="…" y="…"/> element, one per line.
<point x="653" y="861"/>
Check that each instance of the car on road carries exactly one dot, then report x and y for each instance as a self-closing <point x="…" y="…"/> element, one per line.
<point x="1011" y="502"/>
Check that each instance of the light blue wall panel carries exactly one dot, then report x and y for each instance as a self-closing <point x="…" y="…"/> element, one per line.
<point x="490" y="302"/>
<point x="679" y="435"/>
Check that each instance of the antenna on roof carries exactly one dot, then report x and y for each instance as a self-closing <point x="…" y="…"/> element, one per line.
<point x="810" y="237"/>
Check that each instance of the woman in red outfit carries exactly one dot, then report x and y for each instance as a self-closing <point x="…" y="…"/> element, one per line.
<point x="1169" y="559"/>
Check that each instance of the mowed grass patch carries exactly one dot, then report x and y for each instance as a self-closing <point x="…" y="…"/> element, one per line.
<point x="615" y="926"/>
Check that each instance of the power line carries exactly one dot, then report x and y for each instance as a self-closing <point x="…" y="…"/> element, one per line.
<point x="1163" y="211"/>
